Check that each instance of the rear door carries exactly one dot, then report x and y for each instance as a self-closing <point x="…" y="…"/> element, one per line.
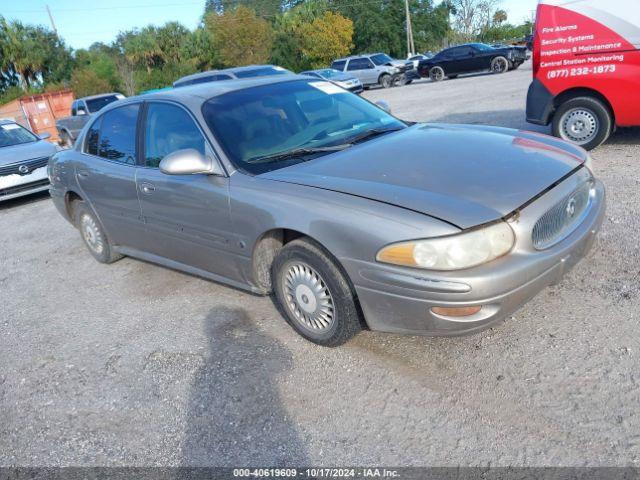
<point x="186" y="216"/>
<point x="107" y="172"/>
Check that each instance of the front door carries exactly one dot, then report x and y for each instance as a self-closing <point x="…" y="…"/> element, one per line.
<point x="107" y="175"/>
<point x="186" y="216"/>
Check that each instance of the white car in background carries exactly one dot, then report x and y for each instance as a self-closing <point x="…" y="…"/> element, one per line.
<point x="24" y="157"/>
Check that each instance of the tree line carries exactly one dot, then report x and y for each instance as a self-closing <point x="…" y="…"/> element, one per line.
<point x="295" y="34"/>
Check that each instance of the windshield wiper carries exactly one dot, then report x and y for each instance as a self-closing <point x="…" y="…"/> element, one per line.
<point x="296" y="153"/>
<point x="374" y="132"/>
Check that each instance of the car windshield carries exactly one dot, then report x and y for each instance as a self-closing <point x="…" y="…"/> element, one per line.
<point x="99" y="103"/>
<point x="381" y="59"/>
<point x="260" y="72"/>
<point x="13" y="134"/>
<point x="266" y="121"/>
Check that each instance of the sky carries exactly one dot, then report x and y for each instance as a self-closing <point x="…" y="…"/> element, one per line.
<point x="81" y="23"/>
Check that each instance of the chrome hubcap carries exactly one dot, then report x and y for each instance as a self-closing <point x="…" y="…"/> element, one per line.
<point x="307" y="297"/>
<point x="499" y="65"/>
<point x="437" y="73"/>
<point x="579" y="126"/>
<point x="91" y="233"/>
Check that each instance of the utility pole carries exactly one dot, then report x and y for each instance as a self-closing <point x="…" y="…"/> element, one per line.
<point x="410" y="46"/>
<point x="53" y="25"/>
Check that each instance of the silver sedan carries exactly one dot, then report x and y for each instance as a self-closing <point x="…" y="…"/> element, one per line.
<point x="23" y="161"/>
<point x="351" y="217"/>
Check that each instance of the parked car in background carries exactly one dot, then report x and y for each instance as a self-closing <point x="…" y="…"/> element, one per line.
<point x="23" y="160"/>
<point x="350" y="216"/>
<point x="469" y="58"/>
<point x="230" y="74"/>
<point x="416" y="59"/>
<point x="81" y="111"/>
<point x="522" y="48"/>
<point x="376" y="69"/>
<point x="589" y="87"/>
<point x="348" y="82"/>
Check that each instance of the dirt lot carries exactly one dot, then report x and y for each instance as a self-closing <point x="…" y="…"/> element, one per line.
<point x="133" y="364"/>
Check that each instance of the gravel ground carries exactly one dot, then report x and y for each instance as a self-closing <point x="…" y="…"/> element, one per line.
<point x="134" y="364"/>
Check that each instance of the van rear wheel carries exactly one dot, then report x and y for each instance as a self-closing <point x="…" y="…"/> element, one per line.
<point x="585" y="121"/>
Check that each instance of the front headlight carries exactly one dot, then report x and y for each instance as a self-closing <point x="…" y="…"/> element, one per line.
<point x="453" y="252"/>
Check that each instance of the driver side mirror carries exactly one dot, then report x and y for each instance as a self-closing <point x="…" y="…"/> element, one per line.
<point x="81" y="111"/>
<point x="189" y="162"/>
<point x="384" y="106"/>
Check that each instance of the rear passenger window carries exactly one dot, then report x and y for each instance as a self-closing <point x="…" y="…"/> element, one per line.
<point x="169" y="128"/>
<point x="118" y="134"/>
<point x="358" y="64"/>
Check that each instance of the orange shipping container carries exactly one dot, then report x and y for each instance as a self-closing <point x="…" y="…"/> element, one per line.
<point x="39" y="112"/>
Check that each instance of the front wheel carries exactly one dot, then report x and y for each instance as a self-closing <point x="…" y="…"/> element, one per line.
<point x="585" y="121"/>
<point x="385" y="81"/>
<point x="436" y="74"/>
<point x="499" y="65"/>
<point x="314" y="294"/>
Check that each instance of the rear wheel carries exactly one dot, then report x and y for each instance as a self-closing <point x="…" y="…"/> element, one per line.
<point x="314" y="294"/>
<point x="585" y="121"/>
<point x="385" y="80"/>
<point x="499" y="65"/>
<point x="65" y="140"/>
<point x="436" y="74"/>
<point x="92" y="233"/>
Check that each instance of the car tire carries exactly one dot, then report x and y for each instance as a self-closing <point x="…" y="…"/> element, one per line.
<point x="314" y="294"/>
<point x="436" y="74"/>
<point x="93" y="234"/>
<point x="585" y="121"/>
<point x="499" y="65"/>
<point x="65" y="140"/>
<point x="385" y="80"/>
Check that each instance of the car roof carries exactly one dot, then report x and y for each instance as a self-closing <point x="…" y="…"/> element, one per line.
<point x="192" y="94"/>
<point x="100" y="95"/>
<point x="358" y="56"/>
<point x="6" y="121"/>
<point x="223" y="71"/>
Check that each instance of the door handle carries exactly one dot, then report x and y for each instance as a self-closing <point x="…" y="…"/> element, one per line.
<point x="83" y="173"/>
<point x="147" y="188"/>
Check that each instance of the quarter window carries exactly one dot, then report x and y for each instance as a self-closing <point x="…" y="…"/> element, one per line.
<point x="169" y="128"/>
<point x="117" y="139"/>
<point x="93" y="135"/>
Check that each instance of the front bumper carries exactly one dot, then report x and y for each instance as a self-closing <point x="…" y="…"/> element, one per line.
<point x="396" y="299"/>
<point x="14" y="186"/>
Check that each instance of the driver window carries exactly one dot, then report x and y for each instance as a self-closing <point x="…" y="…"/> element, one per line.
<point x="169" y="128"/>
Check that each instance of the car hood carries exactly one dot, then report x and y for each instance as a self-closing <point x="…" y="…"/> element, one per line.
<point x="26" y="151"/>
<point x="464" y="175"/>
<point x="342" y="77"/>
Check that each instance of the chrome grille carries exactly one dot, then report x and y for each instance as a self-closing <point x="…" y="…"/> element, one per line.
<point x="563" y="218"/>
<point x="14" y="168"/>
